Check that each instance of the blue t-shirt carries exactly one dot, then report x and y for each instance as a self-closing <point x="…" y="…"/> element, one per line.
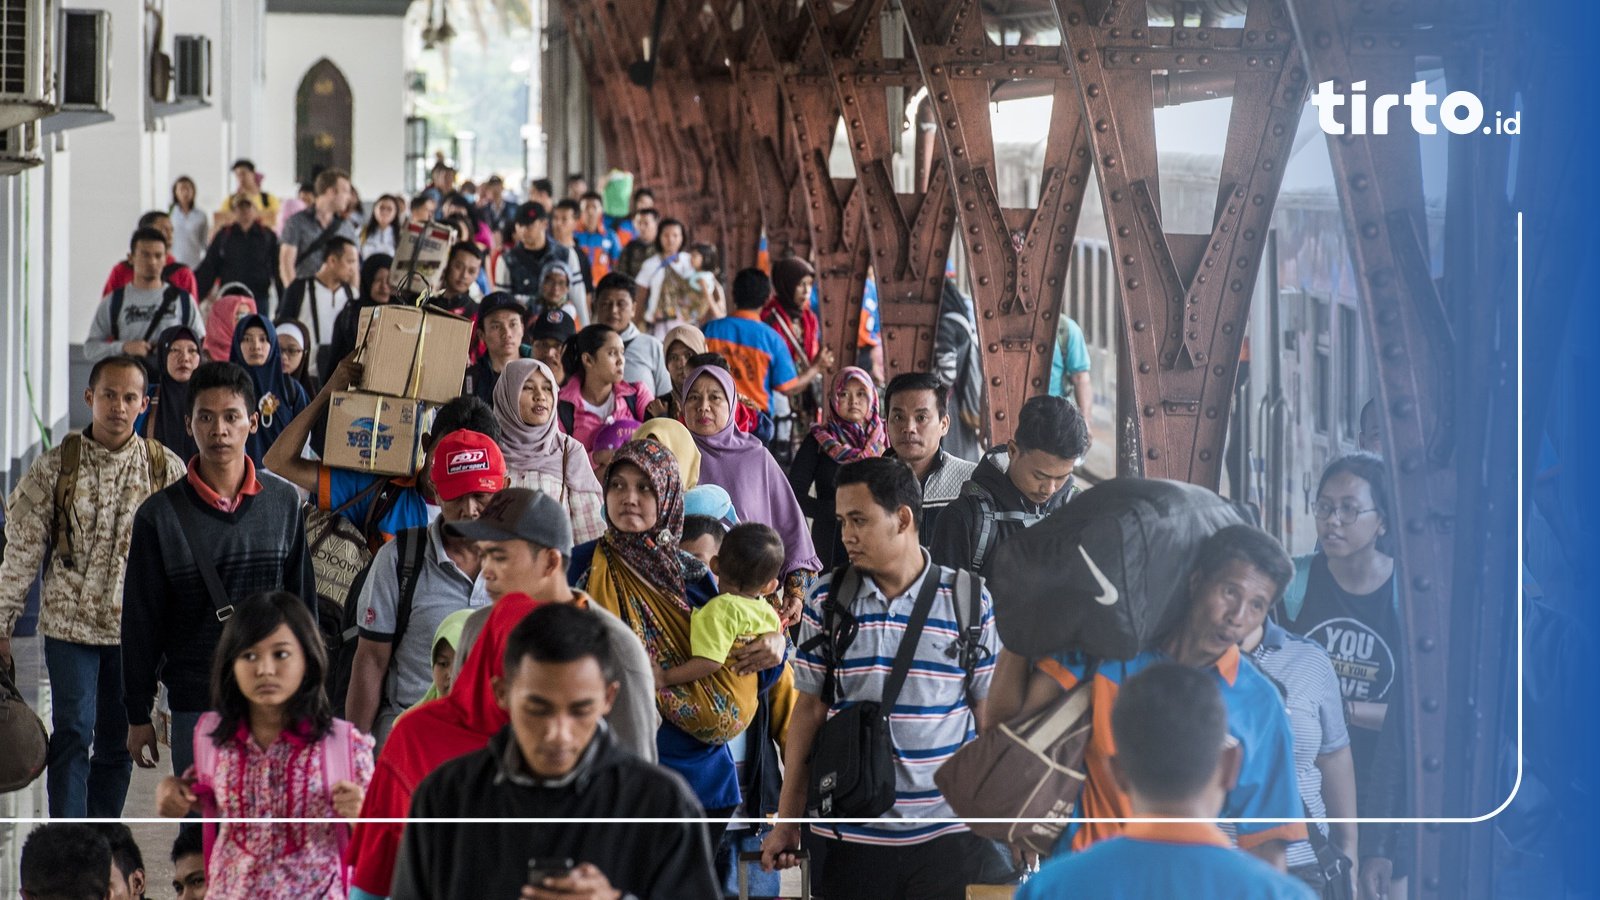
<point x="335" y="487"/>
<point x="1165" y="861"/>
<point x="1070" y="357"/>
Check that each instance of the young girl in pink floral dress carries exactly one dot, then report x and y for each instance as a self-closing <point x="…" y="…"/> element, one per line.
<point x="272" y="749"/>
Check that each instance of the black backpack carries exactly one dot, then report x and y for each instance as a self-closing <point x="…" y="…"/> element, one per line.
<point x="411" y="546"/>
<point x="1101" y="574"/>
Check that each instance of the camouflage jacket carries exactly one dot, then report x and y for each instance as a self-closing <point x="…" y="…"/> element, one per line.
<point x="80" y="603"/>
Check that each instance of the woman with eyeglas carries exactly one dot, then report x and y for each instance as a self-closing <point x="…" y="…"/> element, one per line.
<point x="1345" y="596"/>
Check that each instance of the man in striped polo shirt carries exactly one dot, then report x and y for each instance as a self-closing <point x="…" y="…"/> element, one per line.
<point x="901" y="855"/>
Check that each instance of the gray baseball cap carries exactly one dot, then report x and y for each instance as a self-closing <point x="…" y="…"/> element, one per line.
<point x="519" y="514"/>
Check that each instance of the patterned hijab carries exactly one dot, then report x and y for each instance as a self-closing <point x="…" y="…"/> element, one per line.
<point x="538" y="448"/>
<point x="653" y="554"/>
<point x="846" y="441"/>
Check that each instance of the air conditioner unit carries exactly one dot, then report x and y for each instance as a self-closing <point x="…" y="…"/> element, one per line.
<point x="19" y="147"/>
<point x="27" y="48"/>
<point x="85" y="60"/>
<point x="191" y="67"/>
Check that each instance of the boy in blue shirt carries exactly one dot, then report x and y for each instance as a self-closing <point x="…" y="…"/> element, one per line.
<point x="1175" y="760"/>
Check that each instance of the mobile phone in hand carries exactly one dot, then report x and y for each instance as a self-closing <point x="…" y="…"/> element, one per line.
<point x="542" y="867"/>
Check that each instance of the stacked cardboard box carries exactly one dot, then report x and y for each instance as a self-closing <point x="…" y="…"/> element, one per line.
<point x="413" y="359"/>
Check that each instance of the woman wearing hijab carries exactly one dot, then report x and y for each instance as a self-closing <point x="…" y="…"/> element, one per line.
<point x="680" y="345"/>
<point x="789" y="311"/>
<point x="538" y="455"/>
<point x="426" y="738"/>
<point x="852" y="429"/>
<point x="235" y="303"/>
<point x="279" y="398"/>
<point x="671" y="434"/>
<point x="740" y="463"/>
<point x="294" y="346"/>
<point x="638" y="571"/>
<point x="179" y="351"/>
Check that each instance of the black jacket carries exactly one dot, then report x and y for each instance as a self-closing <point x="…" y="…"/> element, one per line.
<point x="248" y="257"/>
<point x="444" y="862"/>
<point x="957" y="534"/>
<point x="812" y="466"/>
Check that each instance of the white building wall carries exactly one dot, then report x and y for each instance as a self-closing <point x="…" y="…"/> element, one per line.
<point x="367" y="49"/>
<point x="114" y="177"/>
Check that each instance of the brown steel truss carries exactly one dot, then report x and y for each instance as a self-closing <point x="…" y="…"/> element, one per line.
<point x="909" y="233"/>
<point x="1185" y="299"/>
<point x="1018" y="257"/>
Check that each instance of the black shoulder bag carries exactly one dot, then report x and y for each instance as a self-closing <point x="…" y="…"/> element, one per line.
<point x="852" y="758"/>
<point x="190" y="527"/>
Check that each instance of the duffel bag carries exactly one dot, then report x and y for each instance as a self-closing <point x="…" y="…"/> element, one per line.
<point x="1099" y="575"/>
<point x="1028" y="768"/>
<point x="22" y="735"/>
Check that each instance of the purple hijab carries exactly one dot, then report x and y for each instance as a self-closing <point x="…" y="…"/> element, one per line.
<point x="740" y="464"/>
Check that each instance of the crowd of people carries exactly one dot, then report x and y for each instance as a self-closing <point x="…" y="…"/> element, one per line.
<point x="614" y="589"/>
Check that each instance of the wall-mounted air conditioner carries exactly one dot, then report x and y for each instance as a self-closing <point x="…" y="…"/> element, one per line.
<point x="19" y="148"/>
<point x="85" y="60"/>
<point x="191" y="67"/>
<point x="27" y="52"/>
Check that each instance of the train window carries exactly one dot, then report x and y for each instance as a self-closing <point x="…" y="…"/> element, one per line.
<point x="1322" y="366"/>
<point x="1349" y="373"/>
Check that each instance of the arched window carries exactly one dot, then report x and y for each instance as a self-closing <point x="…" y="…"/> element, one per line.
<point x="322" y="121"/>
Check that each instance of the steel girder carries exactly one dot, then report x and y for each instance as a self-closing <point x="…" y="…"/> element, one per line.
<point x="1184" y="299"/>
<point x="1018" y="257"/>
<point x="834" y="205"/>
<point x="1434" y="359"/>
<point x="604" y="50"/>
<point x="909" y="233"/>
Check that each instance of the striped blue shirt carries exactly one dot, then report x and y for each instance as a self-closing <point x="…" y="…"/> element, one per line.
<point x="931" y="719"/>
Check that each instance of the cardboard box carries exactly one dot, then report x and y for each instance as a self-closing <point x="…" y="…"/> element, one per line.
<point x="414" y="352"/>
<point x="374" y="433"/>
<point x="420" y="257"/>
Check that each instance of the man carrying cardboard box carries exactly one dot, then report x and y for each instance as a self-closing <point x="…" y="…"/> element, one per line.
<point x="402" y="502"/>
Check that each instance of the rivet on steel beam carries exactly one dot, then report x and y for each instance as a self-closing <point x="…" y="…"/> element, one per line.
<point x="951" y="123"/>
<point x="993" y="348"/>
<point x="1205" y="455"/>
<point x="983" y="280"/>
<point x="988" y="314"/>
<point x="1116" y="33"/>
<point x="1410" y="465"/>
<point x="1138" y="325"/>
<point x="1237" y="285"/>
<point x="1149" y="410"/>
<point x="1193" y="317"/>
<point x="1211" y="412"/>
<point x="977" y="248"/>
<point x="1138" y="34"/>
<point x="1431" y="763"/>
<point x="1133" y="284"/>
<point x="1154" y="453"/>
<point x="1123" y="231"/>
<point x="1128" y="260"/>
<point x="1144" y="368"/>
<point x="1083" y="56"/>
<point x="1415" y="525"/>
<point x="1000" y="416"/>
<point x="1388" y="315"/>
<point x="1182" y="58"/>
<point x="1394" y="351"/>
<point x="1422" y="583"/>
<point x="1110" y="161"/>
<point x="1426" y="645"/>
<point x="1219" y="371"/>
<point x="1227" y="327"/>
<point x="957" y="151"/>
<point x="1429" y="704"/>
<point x="1092" y="90"/>
<point x="1200" y="357"/>
<point x="1194" y="335"/>
<point x="1359" y="182"/>
<point x="1402" y="408"/>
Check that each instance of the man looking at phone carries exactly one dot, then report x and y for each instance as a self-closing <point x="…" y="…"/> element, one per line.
<point x="557" y="758"/>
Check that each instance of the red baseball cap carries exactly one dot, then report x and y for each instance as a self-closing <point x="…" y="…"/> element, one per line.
<point x="467" y="462"/>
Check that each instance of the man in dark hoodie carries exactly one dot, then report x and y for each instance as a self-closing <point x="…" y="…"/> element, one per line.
<point x="557" y="758"/>
<point x="1014" y="486"/>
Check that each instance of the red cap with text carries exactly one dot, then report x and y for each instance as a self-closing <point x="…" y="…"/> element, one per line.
<point x="467" y="462"/>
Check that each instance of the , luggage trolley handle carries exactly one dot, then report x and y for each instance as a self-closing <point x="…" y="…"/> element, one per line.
<point x="755" y="857"/>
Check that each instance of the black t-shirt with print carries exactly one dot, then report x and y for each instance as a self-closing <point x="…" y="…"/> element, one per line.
<point x="1361" y="633"/>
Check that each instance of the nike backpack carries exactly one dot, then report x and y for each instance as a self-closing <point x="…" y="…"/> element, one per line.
<point x="1102" y="574"/>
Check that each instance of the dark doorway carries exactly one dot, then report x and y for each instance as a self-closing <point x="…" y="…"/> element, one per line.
<point x="322" y="117"/>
